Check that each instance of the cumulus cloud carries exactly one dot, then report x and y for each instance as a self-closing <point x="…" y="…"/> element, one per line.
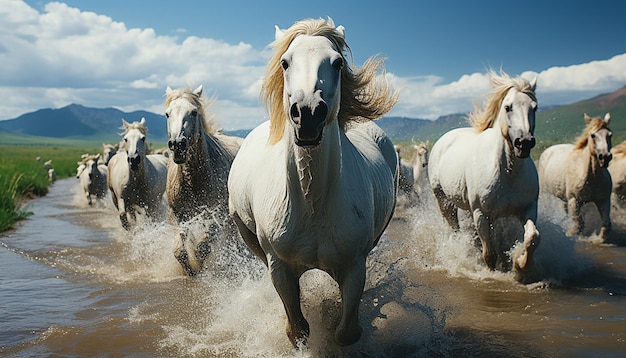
<point x="429" y="98"/>
<point x="63" y="55"/>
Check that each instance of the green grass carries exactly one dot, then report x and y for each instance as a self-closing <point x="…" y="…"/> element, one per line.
<point x="22" y="176"/>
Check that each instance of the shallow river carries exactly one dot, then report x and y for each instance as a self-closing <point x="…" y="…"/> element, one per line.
<point x="74" y="284"/>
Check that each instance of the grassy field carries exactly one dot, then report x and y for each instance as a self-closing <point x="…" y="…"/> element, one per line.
<point x="22" y="176"/>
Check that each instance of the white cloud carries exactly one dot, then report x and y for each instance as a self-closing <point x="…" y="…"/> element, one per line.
<point x="429" y="98"/>
<point x="64" y="55"/>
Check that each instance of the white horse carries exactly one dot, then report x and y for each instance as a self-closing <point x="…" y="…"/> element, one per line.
<point x="136" y="180"/>
<point x="578" y="174"/>
<point x="92" y="177"/>
<point x="487" y="170"/>
<point x="617" y="168"/>
<point x="198" y="170"/>
<point x="420" y="168"/>
<point x="315" y="186"/>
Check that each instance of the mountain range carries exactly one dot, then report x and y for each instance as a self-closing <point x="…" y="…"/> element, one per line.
<point x="76" y="122"/>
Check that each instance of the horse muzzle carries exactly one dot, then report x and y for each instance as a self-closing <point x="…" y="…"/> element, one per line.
<point x="134" y="161"/>
<point x="523" y="145"/>
<point x="309" y="123"/>
<point x="179" y="150"/>
<point x="604" y="159"/>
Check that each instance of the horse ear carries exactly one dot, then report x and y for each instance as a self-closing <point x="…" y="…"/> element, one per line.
<point x="143" y="120"/>
<point x="587" y="118"/>
<point x="168" y="90"/>
<point x="124" y="123"/>
<point x="198" y="91"/>
<point x="533" y="84"/>
<point x="278" y="35"/>
<point x="341" y="30"/>
<point x="607" y="117"/>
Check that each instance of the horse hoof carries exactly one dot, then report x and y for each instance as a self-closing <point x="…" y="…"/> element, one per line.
<point x="349" y="337"/>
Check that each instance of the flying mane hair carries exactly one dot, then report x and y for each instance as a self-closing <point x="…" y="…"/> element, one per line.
<point x="594" y="125"/>
<point x="482" y="119"/>
<point x="363" y="95"/>
<point x="619" y="150"/>
<point x="208" y="123"/>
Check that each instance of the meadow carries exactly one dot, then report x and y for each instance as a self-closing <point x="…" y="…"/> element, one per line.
<point x="22" y="176"/>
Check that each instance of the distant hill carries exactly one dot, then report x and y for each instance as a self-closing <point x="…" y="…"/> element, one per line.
<point x="560" y="124"/>
<point x="79" y="122"/>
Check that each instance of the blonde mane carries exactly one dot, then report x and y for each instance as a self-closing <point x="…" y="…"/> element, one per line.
<point x="594" y="125"/>
<point x="208" y="123"/>
<point x="135" y="125"/>
<point x="619" y="150"/>
<point x="363" y="96"/>
<point x="482" y="119"/>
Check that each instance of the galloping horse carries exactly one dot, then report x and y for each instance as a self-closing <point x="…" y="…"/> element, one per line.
<point x="617" y="168"/>
<point x="487" y="170"/>
<point x="108" y="151"/>
<point x="578" y="174"/>
<point x="92" y="177"/>
<point x="315" y="186"/>
<point x="198" y="170"/>
<point x="136" y="180"/>
<point x="420" y="168"/>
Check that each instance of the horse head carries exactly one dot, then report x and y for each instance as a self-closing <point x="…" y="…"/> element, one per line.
<point x="519" y="107"/>
<point x="135" y="142"/>
<point x="600" y="139"/>
<point x="312" y="68"/>
<point x="182" y="113"/>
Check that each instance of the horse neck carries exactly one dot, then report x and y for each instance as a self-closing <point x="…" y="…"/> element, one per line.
<point x="509" y="162"/>
<point x="591" y="160"/>
<point x="318" y="168"/>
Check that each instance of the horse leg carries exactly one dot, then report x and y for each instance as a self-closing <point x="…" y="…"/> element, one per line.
<point x="573" y="207"/>
<point x="351" y="283"/>
<point x="604" y="207"/>
<point x="485" y="233"/>
<point x="250" y="238"/>
<point x="447" y="208"/>
<point x="287" y="285"/>
<point x="524" y="262"/>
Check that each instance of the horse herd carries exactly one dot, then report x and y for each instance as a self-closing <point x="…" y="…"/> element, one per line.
<point x="316" y="185"/>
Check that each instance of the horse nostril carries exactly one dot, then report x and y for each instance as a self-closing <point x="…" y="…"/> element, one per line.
<point x="170" y="144"/>
<point x="295" y="113"/>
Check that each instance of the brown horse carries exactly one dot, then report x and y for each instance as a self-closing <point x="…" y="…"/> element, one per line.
<point x="578" y="174"/>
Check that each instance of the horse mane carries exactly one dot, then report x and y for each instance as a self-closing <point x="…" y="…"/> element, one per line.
<point x="619" y="150"/>
<point x="594" y="125"/>
<point x="484" y="118"/>
<point x="363" y="95"/>
<point x="208" y="122"/>
<point x="86" y="158"/>
<point x="135" y="125"/>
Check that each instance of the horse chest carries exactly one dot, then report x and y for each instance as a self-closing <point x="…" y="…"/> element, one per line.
<point x="319" y="244"/>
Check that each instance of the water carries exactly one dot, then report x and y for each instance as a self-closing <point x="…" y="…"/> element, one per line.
<point x="73" y="284"/>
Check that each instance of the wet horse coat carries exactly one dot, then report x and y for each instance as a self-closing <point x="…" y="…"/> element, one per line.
<point x="315" y="187"/>
<point x="487" y="171"/>
<point x="578" y="174"/>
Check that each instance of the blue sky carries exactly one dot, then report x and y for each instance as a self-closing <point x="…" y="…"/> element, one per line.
<point x="124" y="53"/>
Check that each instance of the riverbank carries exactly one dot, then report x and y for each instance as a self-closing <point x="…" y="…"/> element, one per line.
<point x="24" y="175"/>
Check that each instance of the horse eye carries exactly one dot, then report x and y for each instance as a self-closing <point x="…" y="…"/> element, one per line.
<point x="593" y="135"/>
<point x="194" y="113"/>
<point x="167" y="115"/>
<point x="338" y="63"/>
<point x="508" y="108"/>
<point x="284" y="64"/>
